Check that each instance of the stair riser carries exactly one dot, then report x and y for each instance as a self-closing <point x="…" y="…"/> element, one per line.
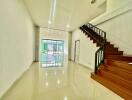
<point x="113" y="53"/>
<point x="110" y="46"/>
<point x="111" y="50"/>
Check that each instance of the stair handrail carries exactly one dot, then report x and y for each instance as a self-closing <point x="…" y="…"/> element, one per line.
<point x="100" y="32"/>
<point x="100" y="38"/>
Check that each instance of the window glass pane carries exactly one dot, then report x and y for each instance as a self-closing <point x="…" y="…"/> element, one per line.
<point x="52" y="53"/>
<point x="50" y="47"/>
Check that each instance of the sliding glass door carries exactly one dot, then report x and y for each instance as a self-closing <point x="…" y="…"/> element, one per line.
<point x="52" y="53"/>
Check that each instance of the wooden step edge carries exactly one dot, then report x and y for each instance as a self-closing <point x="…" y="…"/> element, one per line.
<point x="113" y="77"/>
<point x="128" y="69"/>
<point x="127" y="63"/>
<point x="129" y="56"/>
<point x="120" y="72"/>
<point x="109" y="45"/>
<point x="111" y="48"/>
<point x="117" y="59"/>
<point x="121" y="91"/>
<point x="107" y="42"/>
<point x="114" y="52"/>
<point x="117" y="68"/>
<point x="108" y="53"/>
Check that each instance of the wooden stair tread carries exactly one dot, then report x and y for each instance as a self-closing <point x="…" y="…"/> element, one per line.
<point x="125" y="73"/>
<point x="119" y="57"/>
<point x="120" y="72"/>
<point x="122" y="91"/>
<point x="113" y="77"/>
<point x="119" y="64"/>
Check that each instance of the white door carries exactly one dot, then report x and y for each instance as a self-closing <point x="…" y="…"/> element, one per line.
<point x="76" y="53"/>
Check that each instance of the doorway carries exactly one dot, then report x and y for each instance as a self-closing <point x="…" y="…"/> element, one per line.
<point x="76" y="51"/>
<point x="52" y="53"/>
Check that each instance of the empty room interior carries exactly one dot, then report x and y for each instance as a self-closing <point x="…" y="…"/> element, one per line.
<point x="65" y="49"/>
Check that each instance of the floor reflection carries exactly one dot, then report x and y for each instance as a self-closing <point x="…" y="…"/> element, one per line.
<point x="70" y="82"/>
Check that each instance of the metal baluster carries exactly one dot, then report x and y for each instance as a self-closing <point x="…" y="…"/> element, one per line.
<point x="98" y="58"/>
<point x="96" y="62"/>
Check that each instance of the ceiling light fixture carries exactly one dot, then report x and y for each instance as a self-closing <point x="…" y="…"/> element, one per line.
<point x="49" y="22"/>
<point x="67" y="25"/>
<point x="54" y="8"/>
<point x="58" y="81"/>
<point x="52" y="11"/>
<point x="65" y="98"/>
<point x="46" y="84"/>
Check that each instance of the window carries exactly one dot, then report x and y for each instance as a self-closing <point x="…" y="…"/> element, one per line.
<point x="52" y="53"/>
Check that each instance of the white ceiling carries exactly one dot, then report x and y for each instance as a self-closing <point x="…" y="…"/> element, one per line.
<point x="63" y="12"/>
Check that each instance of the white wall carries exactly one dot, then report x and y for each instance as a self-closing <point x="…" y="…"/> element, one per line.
<point x="16" y="42"/>
<point x="114" y="8"/>
<point x="118" y="26"/>
<point x="115" y="4"/>
<point x="119" y="32"/>
<point x="87" y="49"/>
<point x="55" y="35"/>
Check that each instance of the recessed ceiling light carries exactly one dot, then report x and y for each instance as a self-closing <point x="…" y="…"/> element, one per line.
<point x="46" y="83"/>
<point x="67" y="25"/>
<point x="65" y="98"/>
<point x="49" y="22"/>
<point x="58" y="81"/>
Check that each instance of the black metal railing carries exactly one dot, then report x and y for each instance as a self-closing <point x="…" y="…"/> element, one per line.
<point x="99" y="36"/>
<point x="100" y="32"/>
<point x="99" y="57"/>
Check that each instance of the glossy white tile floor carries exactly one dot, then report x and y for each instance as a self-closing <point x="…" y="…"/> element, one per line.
<point x="70" y="82"/>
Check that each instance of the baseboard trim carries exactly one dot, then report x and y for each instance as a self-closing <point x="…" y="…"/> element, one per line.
<point x="85" y="66"/>
<point x="82" y="65"/>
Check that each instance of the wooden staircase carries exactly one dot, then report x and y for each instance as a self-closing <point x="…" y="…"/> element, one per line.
<point x="116" y="71"/>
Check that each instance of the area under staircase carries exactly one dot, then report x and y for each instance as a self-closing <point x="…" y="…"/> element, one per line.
<point x="112" y="68"/>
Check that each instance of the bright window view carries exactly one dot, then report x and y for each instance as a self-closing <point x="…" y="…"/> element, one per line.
<point x="52" y="53"/>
